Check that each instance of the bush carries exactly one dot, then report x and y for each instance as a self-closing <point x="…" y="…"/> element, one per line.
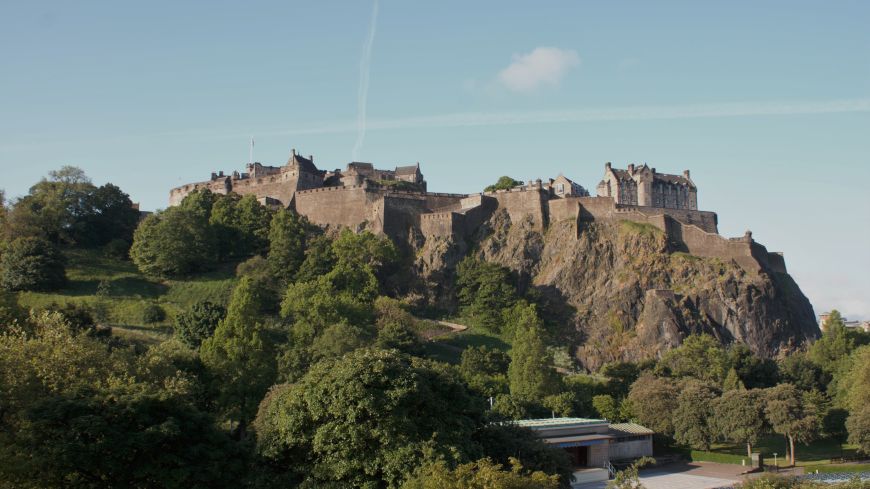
<point x="199" y="323"/>
<point x="32" y="264"/>
<point x="153" y="313"/>
<point x="118" y="249"/>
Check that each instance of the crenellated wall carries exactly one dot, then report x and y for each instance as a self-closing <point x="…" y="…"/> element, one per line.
<point x="525" y="202"/>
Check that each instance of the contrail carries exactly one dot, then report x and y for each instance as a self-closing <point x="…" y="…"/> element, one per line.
<point x="363" y="91"/>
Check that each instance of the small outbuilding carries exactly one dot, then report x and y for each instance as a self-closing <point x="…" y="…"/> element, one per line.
<point x="593" y="443"/>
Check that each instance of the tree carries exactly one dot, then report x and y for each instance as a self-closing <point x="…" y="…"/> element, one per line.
<point x="287" y="237"/>
<point x="693" y="418"/>
<point x="483" y="474"/>
<point x="655" y="400"/>
<point x="791" y="416"/>
<point x="834" y="345"/>
<point x="606" y="407"/>
<point x="630" y="477"/>
<point x="485" y="290"/>
<point x="753" y="371"/>
<point x="700" y="357"/>
<point x="531" y="374"/>
<point x="858" y="426"/>
<point x="32" y="264"/>
<point x="739" y="417"/>
<point x="173" y="243"/>
<point x="503" y="183"/>
<point x="193" y="326"/>
<point x="109" y="215"/>
<point x="242" y="224"/>
<point x="239" y="356"/>
<point x="367" y="419"/>
<point x="797" y="369"/>
<point x="319" y="259"/>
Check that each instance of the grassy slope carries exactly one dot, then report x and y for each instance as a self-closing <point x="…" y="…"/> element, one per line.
<point x="130" y="291"/>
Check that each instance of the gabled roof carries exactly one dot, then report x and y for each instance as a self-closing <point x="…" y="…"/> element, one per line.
<point x="407" y="170"/>
<point x="304" y="163"/>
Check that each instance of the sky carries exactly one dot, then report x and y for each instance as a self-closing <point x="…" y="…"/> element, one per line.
<point x="767" y="103"/>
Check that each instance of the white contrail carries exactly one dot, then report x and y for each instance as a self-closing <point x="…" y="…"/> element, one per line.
<point x="363" y="90"/>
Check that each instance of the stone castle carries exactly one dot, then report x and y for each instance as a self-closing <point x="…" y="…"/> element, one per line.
<point x="397" y="203"/>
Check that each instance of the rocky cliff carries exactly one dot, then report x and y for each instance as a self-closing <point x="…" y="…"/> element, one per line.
<point x="630" y="294"/>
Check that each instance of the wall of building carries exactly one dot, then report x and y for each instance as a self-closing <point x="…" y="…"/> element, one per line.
<point x="598" y="454"/>
<point x="624" y="450"/>
<point x="522" y="203"/>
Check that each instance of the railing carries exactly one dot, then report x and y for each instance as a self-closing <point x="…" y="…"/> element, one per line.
<point x="611" y="471"/>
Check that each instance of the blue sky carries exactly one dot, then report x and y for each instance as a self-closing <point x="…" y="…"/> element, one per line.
<point x="768" y="103"/>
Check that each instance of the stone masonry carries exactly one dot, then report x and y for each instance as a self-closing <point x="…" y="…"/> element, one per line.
<point x="398" y="204"/>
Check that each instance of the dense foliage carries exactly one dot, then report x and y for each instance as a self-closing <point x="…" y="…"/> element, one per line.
<point x="503" y="183"/>
<point x="32" y="264"/>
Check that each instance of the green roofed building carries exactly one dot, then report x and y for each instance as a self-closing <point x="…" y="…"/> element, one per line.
<point x="593" y="443"/>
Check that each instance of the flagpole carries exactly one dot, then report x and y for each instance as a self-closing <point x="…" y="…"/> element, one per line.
<point x="251" y="152"/>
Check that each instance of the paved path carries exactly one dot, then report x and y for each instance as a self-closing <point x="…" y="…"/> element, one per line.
<point x="455" y="327"/>
<point x="699" y="475"/>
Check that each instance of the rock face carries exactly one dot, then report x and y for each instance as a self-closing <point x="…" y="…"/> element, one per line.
<point x="631" y="294"/>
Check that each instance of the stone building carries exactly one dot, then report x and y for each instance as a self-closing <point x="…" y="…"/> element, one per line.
<point x="643" y="186"/>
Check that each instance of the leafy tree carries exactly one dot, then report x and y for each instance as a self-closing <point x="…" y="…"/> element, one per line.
<point x="239" y="356"/>
<point x="530" y="373"/>
<point x="753" y="371"/>
<point x="484" y="360"/>
<point x="483" y="474"/>
<point x="319" y="259"/>
<point x="791" y="416"/>
<point x="620" y="376"/>
<point x="503" y="183"/>
<point x="32" y="264"/>
<point x="367" y="419"/>
<point x="485" y="290"/>
<point x="242" y="224"/>
<point x="797" y="369"/>
<point x="365" y="250"/>
<point x="109" y="215"/>
<point x="173" y="243"/>
<point x="399" y="336"/>
<point x="655" y="400"/>
<point x="693" y="418"/>
<point x="287" y="237"/>
<point x="606" y="407"/>
<point x="337" y="339"/>
<point x="153" y="313"/>
<point x="739" y="417"/>
<point x="858" y="426"/>
<point x="79" y="317"/>
<point x="10" y="312"/>
<point x="193" y="326"/>
<point x="700" y="357"/>
<point x="834" y="345"/>
<point x="502" y="442"/>
<point x="345" y="294"/>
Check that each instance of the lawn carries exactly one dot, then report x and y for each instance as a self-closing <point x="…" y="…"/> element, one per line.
<point x="449" y="348"/>
<point x="125" y="292"/>
<point x="816" y="453"/>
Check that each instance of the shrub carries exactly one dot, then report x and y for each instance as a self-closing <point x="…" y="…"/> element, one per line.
<point x="198" y="323"/>
<point x="32" y="264"/>
<point x="117" y="248"/>
<point x="153" y="313"/>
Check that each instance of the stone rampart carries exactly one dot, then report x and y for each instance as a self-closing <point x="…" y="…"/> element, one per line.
<point x="336" y="206"/>
<point x="524" y="202"/>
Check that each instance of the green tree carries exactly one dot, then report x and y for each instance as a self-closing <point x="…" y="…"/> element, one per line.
<point x="173" y="243"/>
<point x="753" y="371"/>
<point x="630" y="477"/>
<point x="654" y="400"/>
<point x="797" y="369"/>
<point x="319" y="259"/>
<point x="32" y="264"/>
<point x="367" y="419"/>
<point x="483" y="474"/>
<point x="503" y="183"/>
<point x="240" y="357"/>
<point x="791" y="416"/>
<point x="693" y="418"/>
<point x="242" y="224"/>
<point x="287" y="237"/>
<point x="485" y="291"/>
<point x="834" y="346"/>
<point x="739" y="417"/>
<point x="700" y="357"/>
<point x="606" y="406"/>
<point x="193" y="326"/>
<point x="858" y="426"/>
<point x="531" y="375"/>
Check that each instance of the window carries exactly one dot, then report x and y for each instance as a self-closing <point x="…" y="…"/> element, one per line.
<point x="560" y="188"/>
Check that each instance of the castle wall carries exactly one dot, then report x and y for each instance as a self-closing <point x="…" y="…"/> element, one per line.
<point x="337" y="206"/>
<point x="441" y="224"/>
<point x="401" y="213"/>
<point x="522" y="203"/>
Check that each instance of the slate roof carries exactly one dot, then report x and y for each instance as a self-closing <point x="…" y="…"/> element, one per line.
<point x="629" y="429"/>
<point x="303" y="163"/>
<point x="677" y="179"/>
<point x="553" y="422"/>
<point x="407" y="170"/>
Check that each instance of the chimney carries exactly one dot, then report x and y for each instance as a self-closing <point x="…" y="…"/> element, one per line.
<point x="293" y="151"/>
<point x="607" y="166"/>
<point x="311" y="157"/>
<point x="686" y="173"/>
<point x="653" y="170"/>
<point x="631" y="168"/>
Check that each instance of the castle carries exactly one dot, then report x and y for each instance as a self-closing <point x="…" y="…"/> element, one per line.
<point x="397" y="203"/>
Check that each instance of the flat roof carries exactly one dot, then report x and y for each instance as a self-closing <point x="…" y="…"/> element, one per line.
<point x="555" y="422"/>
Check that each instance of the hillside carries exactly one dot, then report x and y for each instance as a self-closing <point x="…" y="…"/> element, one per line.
<point x="627" y="292"/>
